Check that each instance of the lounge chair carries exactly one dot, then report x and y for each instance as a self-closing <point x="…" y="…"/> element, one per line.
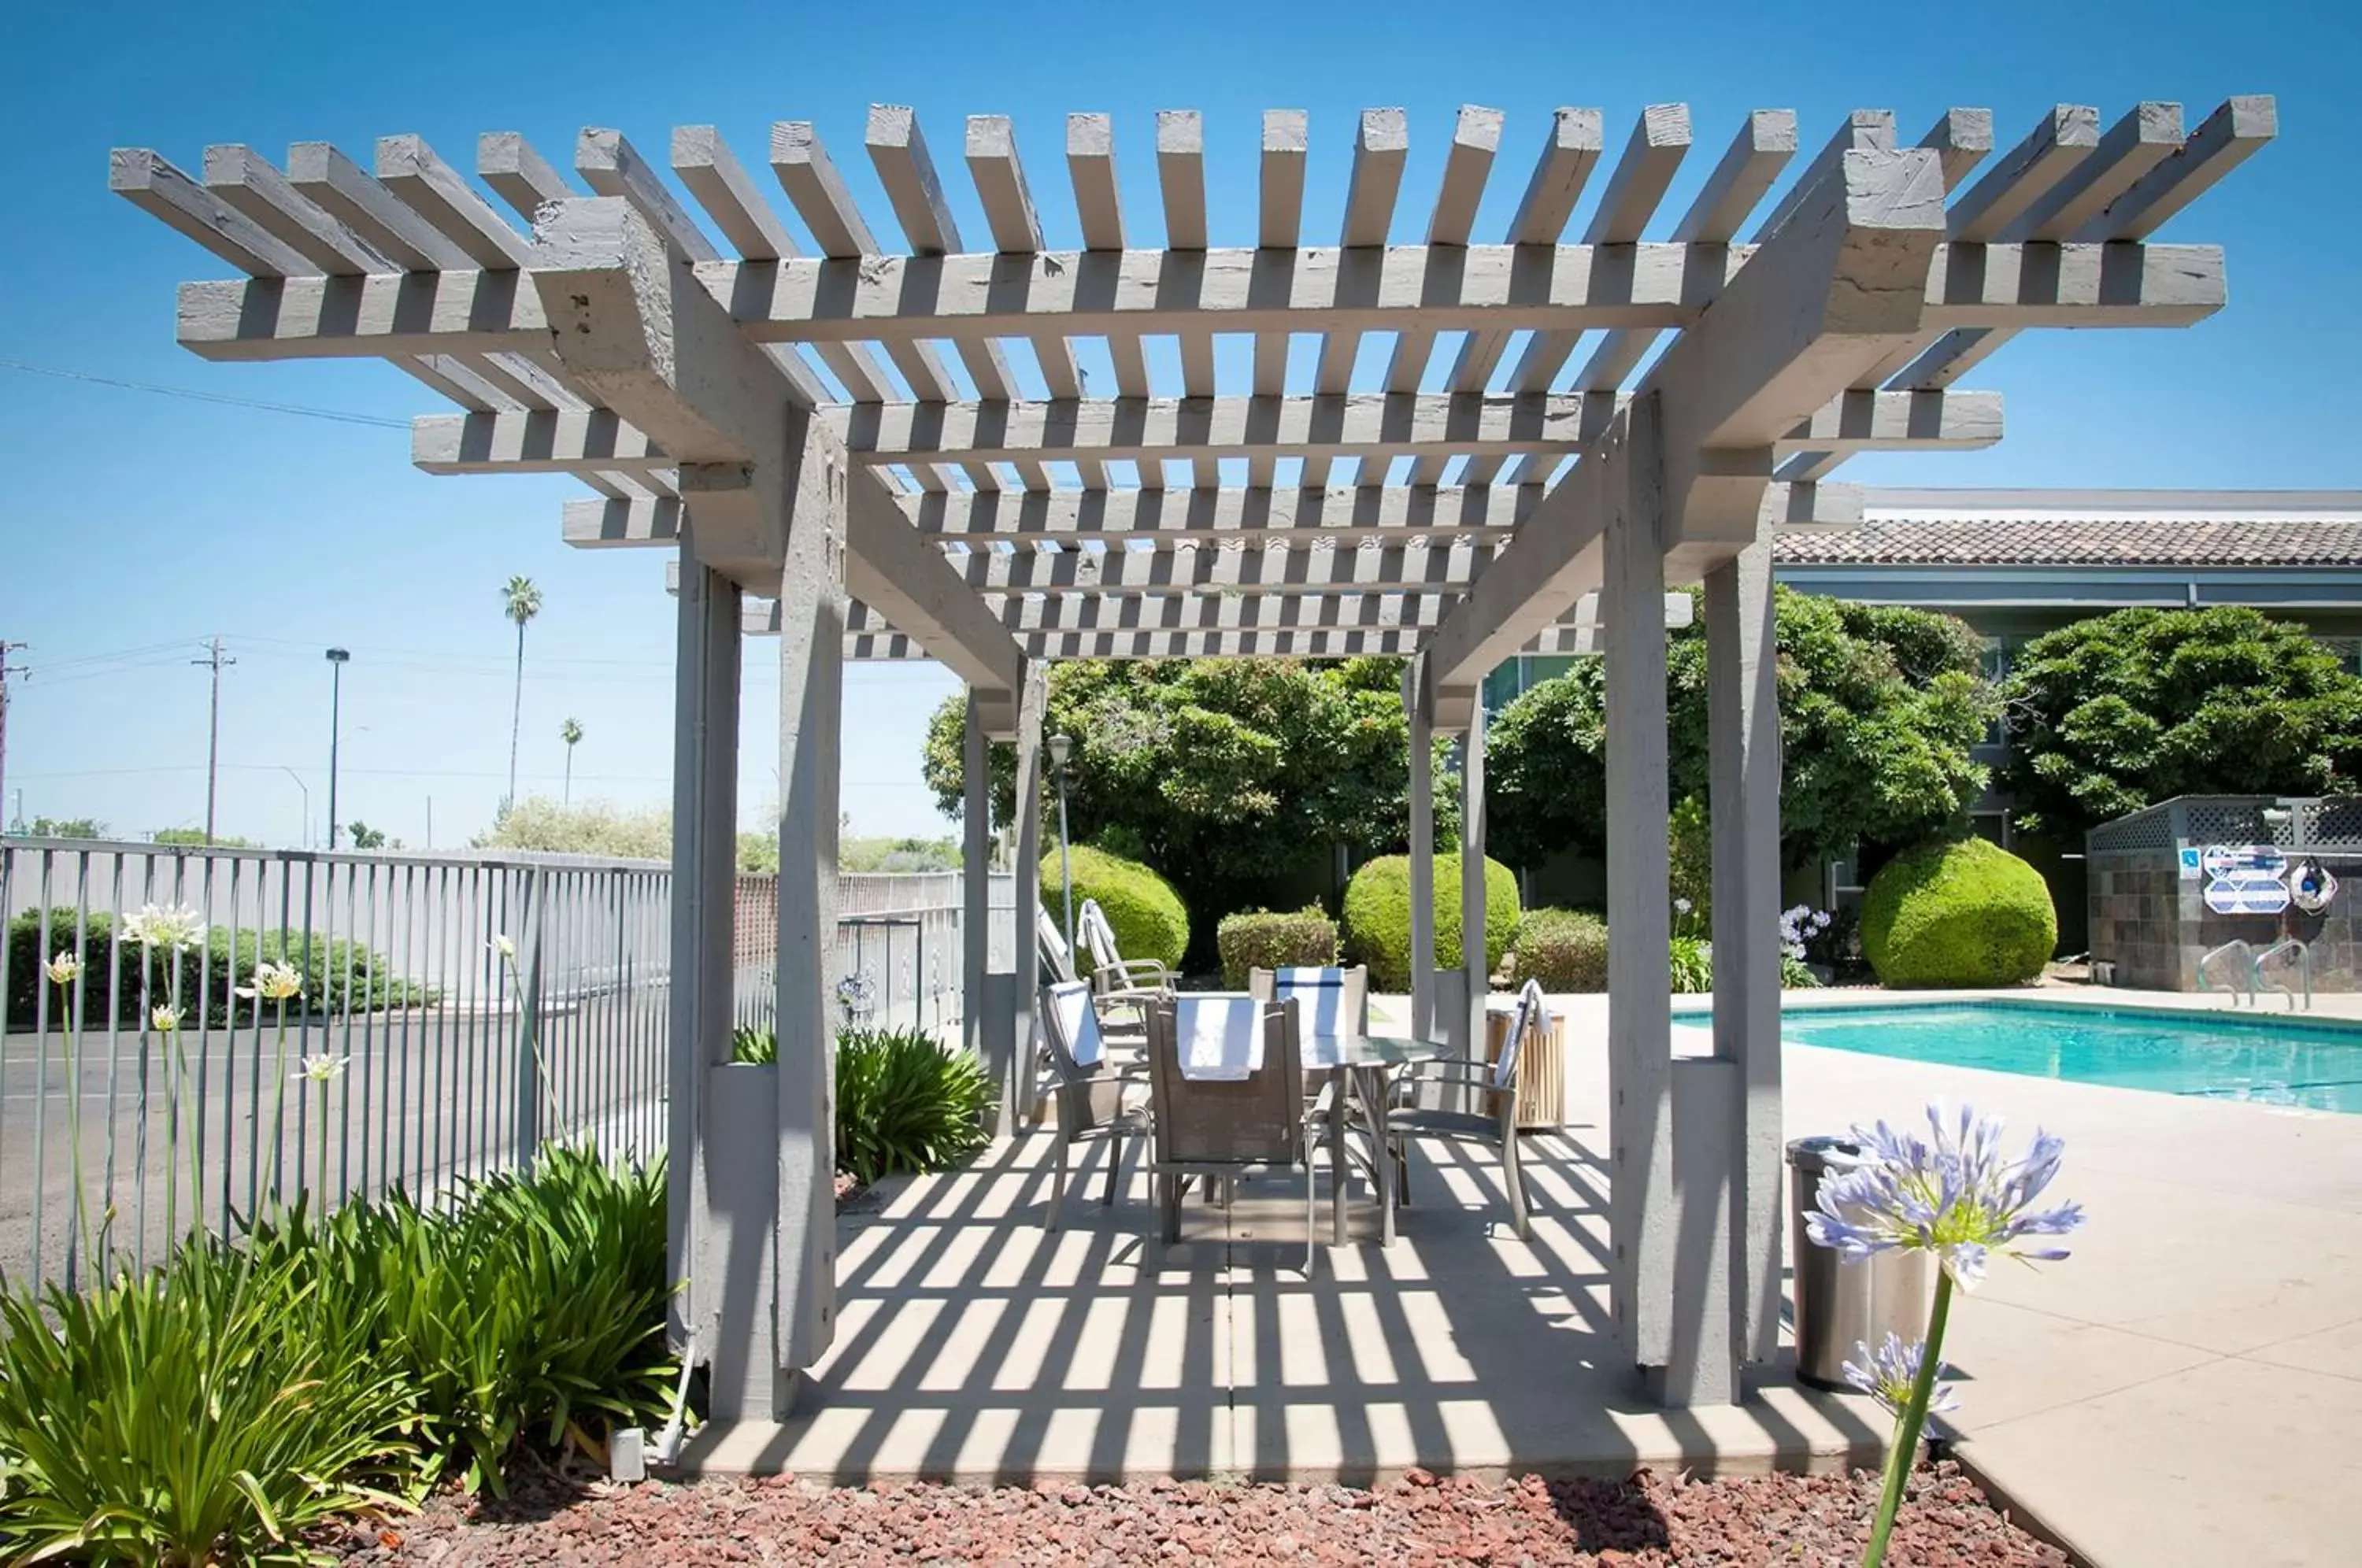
<point x="1251" y="1120"/>
<point x="1125" y="986"/>
<point x="1421" y="1101"/>
<point x="1094" y="1100"/>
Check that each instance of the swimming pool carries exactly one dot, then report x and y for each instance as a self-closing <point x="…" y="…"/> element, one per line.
<point x="2273" y="1061"/>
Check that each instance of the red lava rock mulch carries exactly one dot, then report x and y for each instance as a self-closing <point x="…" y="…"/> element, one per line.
<point x="1422" y="1519"/>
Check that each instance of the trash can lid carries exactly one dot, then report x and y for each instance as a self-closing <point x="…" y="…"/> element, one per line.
<point x="1813" y="1154"/>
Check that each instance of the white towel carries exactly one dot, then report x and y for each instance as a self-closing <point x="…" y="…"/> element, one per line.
<point x="1221" y="1038"/>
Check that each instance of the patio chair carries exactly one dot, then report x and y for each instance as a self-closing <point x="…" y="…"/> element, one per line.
<point x="1129" y="985"/>
<point x="1250" y="1118"/>
<point x="1420" y="1105"/>
<point x="1057" y="961"/>
<point x="1331" y="1000"/>
<point x="1094" y="1100"/>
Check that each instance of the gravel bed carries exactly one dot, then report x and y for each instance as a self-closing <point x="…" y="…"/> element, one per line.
<point x="1421" y="1519"/>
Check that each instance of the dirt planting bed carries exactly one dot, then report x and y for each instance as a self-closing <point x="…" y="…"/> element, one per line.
<point x="1650" y="1519"/>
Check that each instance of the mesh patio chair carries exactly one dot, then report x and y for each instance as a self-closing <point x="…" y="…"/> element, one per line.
<point x="1057" y="961"/>
<point x="1422" y="1104"/>
<point x="1331" y="1000"/>
<point x="1095" y="1098"/>
<point x="1225" y="1127"/>
<point x="1125" y="986"/>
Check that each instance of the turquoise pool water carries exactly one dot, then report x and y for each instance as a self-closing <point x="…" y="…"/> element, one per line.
<point x="2272" y="1061"/>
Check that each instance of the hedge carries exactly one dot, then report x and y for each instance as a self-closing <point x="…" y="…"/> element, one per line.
<point x="1258" y="939"/>
<point x="340" y="976"/>
<point x="1566" y="950"/>
<point x="1377" y="917"/>
<point x="1965" y="912"/>
<point x="1147" y="916"/>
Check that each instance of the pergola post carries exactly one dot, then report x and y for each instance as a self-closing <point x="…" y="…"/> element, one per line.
<point x="1010" y="1062"/>
<point x="976" y="878"/>
<point x="1743" y="747"/>
<point x="811" y="702"/>
<point x="1476" y="973"/>
<point x="1640" y="979"/>
<point x="704" y="905"/>
<point x="1418" y="703"/>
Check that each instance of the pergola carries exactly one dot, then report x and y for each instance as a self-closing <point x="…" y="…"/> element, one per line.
<point x="792" y="426"/>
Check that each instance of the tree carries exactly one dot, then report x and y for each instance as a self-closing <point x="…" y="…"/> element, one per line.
<point x="570" y="732"/>
<point x="1879" y="707"/>
<point x="181" y="836"/>
<point x="66" y="827"/>
<point x="598" y="828"/>
<point x="521" y="601"/>
<point x="2123" y="711"/>
<point x="365" y="836"/>
<point x="1234" y="778"/>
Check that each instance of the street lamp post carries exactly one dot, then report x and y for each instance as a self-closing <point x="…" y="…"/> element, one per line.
<point x="304" y="834"/>
<point x="336" y="660"/>
<point x="1060" y="748"/>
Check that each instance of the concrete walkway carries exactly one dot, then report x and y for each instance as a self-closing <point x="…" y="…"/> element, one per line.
<point x="2186" y="1389"/>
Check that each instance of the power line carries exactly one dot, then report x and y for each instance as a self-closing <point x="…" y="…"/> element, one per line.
<point x="339" y="416"/>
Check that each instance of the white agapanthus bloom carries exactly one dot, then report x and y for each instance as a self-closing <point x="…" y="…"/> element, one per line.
<point x="174" y="926"/>
<point x="501" y="944"/>
<point x="63" y="969"/>
<point x="321" y="1067"/>
<point x="165" y="1020"/>
<point x="273" y="982"/>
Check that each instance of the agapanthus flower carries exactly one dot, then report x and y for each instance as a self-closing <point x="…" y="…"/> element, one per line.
<point x="175" y="926"/>
<point x="273" y="982"/>
<point x="320" y="1067"/>
<point x="165" y="1020"/>
<point x="1889" y="1376"/>
<point x="1953" y="1195"/>
<point x="1681" y="906"/>
<point x="501" y="944"/>
<point x="63" y="969"/>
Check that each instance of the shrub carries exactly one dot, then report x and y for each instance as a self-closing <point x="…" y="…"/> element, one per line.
<point x="1566" y="950"/>
<point x="1963" y="912"/>
<point x="1692" y="965"/>
<point x="904" y="1102"/>
<point x="1258" y="939"/>
<point x="1795" y="975"/>
<point x="1145" y="913"/>
<point x="1377" y="917"/>
<point x="340" y="976"/>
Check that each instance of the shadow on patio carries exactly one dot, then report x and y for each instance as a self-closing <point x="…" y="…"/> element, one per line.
<point x="972" y="1344"/>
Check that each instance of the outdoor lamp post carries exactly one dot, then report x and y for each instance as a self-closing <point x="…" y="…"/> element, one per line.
<point x="336" y="660"/>
<point x="1061" y="747"/>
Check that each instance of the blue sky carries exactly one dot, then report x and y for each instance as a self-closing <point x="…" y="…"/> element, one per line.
<point x="138" y="524"/>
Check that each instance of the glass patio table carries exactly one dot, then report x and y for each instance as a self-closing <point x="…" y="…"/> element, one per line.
<point x="1362" y="1064"/>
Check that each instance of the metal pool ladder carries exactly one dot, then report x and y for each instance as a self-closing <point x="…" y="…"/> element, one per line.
<point x="2303" y="954"/>
<point x="2244" y="978"/>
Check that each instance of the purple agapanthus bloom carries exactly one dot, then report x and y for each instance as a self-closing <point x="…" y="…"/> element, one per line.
<point x="1888" y="1376"/>
<point x="1953" y="1195"/>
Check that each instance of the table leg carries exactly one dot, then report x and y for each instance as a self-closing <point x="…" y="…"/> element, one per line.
<point x="1338" y="1088"/>
<point x="1384" y="1158"/>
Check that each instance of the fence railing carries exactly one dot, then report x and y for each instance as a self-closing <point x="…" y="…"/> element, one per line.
<point x="451" y="1059"/>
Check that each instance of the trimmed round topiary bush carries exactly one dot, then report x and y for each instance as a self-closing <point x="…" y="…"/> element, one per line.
<point x="1377" y="917"/>
<point x="1258" y="939"/>
<point x="1965" y="912"/>
<point x="1566" y="950"/>
<point x="1147" y="915"/>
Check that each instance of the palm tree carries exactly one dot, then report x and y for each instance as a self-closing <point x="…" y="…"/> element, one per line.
<point x="521" y="601"/>
<point x="570" y="732"/>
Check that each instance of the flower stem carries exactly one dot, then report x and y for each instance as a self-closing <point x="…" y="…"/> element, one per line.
<point x="73" y="1132"/>
<point x="1913" y="1420"/>
<point x="324" y="1147"/>
<point x="278" y="1106"/>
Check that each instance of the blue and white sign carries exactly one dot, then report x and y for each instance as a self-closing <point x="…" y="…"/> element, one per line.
<point x="2221" y="859"/>
<point x="2190" y="861"/>
<point x="2247" y="892"/>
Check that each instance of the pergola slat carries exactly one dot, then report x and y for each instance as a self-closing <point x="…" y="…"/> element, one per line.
<point x="1381" y="146"/>
<point x="1287" y="143"/>
<point x="439" y="194"/>
<point x="1181" y="180"/>
<point x="245" y="179"/>
<point x="2007" y="190"/>
<point x="518" y="173"/>
<point x="534" y="441"/>
<point x="1961" y="139"/>
<point x="1326" y="569"/>
<point x="1017" y="231"/>
<point x="1090" y="168"/>
<point x="160" y="190"/>
<point x="1475" y="138"/>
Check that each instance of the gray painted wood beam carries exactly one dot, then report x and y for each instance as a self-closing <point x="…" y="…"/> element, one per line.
<point x="2060" y="141"/>
<point x="1357" y="424"/>
<point x="1287" y="143"/>
<point x="1475" y="138"/>
<point x="439" y="194"/>
<point x="999" y="179"/>
<point x="1090" y="168"/>
<point x="1381" y="147"/>
<point x="349" y="193"/>
<point x="1124" y="517"/>
<point x="1181" y="179"/>
<point x="1858" y="421"/>
<point x="245" y="179"/>
<point x="532" y="442"/>
<point x="1961" y="139"/>
<point x="518" y="173"/>
<point x="1442" y="564"/>
<point x="906" y="170"/>
<point x="2135" y="144"/>
<point x="158" y="189"/>
<point x="2229" y="136"/>
<point x="1863" y="130"/>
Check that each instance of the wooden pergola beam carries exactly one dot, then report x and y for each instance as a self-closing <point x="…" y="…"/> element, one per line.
<point x="1424" y="567"/>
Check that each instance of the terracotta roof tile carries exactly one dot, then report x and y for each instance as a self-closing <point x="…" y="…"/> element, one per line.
<point x="2080" y="541"/>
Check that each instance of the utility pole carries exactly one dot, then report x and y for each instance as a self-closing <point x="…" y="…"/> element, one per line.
<point x="216" y="659"/>
<point x="338" y="658"/>
<point x="8" y="670"/>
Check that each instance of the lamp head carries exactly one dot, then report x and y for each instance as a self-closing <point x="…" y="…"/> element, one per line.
<point x="338" y="655"/>
<point x="1060" y="748"/>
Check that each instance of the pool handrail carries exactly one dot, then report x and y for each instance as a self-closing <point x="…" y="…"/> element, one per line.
<point x="2303" y="950"/>
<point x="2246" y="970"/>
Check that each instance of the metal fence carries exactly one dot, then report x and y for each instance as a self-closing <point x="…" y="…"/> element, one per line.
<point x="450" y="1057"/>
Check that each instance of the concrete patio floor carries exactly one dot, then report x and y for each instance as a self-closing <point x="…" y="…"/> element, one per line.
<point x="2184" y="1390"/>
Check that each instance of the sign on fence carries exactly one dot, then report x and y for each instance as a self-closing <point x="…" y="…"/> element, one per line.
<point x="2247" y="892"/>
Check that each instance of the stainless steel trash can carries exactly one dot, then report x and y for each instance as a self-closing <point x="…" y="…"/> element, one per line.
<point x="1838" y="1303"/>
